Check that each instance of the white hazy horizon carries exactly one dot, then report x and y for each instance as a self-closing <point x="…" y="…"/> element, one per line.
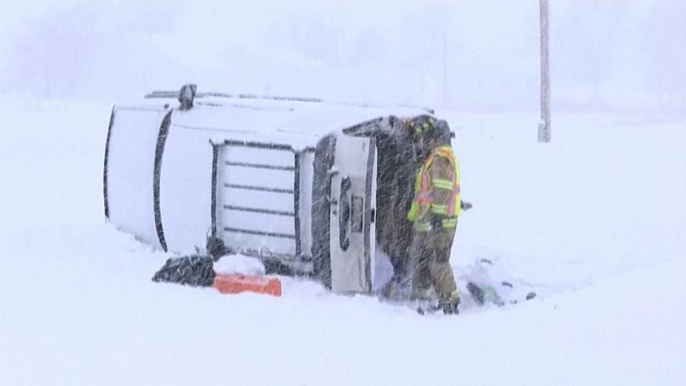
<point x="461" y="55"/>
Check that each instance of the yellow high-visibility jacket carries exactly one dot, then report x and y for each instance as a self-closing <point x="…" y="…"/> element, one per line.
<point x="437" y="190"/>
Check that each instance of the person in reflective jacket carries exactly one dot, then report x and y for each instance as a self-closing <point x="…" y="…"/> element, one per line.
<point x="434" y="212"/>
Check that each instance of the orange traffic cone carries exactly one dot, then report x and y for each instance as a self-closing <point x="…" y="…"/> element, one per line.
<point x="235" y="284"/>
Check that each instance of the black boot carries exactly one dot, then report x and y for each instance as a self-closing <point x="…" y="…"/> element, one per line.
<point x="451" y="306"/>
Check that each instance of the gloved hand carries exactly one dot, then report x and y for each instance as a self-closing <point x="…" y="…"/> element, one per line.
<point x="436" y="221"/>
<point x="465" y="205"/>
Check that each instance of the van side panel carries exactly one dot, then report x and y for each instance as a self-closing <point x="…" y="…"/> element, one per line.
<point x="257" y="191"/>
<point x="186" y="189"/>
<point x="130" y="172"/>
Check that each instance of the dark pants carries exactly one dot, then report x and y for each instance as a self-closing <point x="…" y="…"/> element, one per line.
<point x="430" y="263"/>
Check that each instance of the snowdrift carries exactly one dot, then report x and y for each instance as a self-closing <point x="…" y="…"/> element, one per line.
<point x="77" y="306"/>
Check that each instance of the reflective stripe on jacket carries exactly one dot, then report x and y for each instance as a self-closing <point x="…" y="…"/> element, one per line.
<point x="437" y="190"/>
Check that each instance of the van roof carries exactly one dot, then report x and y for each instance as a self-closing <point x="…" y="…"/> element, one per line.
<point x="297" y="121"/>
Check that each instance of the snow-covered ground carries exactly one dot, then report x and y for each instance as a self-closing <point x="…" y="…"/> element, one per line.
<point x="593" y="221"/>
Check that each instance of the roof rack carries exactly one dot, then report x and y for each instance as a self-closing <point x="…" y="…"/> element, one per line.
<point x="211" y="94"/>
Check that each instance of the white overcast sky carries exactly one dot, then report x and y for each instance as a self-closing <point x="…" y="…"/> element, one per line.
<point x="463" y="54"/>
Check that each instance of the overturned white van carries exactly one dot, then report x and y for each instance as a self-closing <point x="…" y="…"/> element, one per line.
<point x="309" y="187"/>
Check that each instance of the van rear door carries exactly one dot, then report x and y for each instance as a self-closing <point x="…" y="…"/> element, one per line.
<point x="353" y="198"/>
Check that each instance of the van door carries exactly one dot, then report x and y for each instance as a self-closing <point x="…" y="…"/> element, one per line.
<point x="352" y="222"/>
<point x="133" y="155"/>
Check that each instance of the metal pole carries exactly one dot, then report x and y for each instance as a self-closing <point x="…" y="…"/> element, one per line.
<point x="544" y="127"/>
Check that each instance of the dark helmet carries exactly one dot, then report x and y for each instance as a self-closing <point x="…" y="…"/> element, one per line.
<point x="443" y="131"/>
<point x="422" y="125"/>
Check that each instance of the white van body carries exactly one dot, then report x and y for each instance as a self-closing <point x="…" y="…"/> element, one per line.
<point x="291" y="181"/>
